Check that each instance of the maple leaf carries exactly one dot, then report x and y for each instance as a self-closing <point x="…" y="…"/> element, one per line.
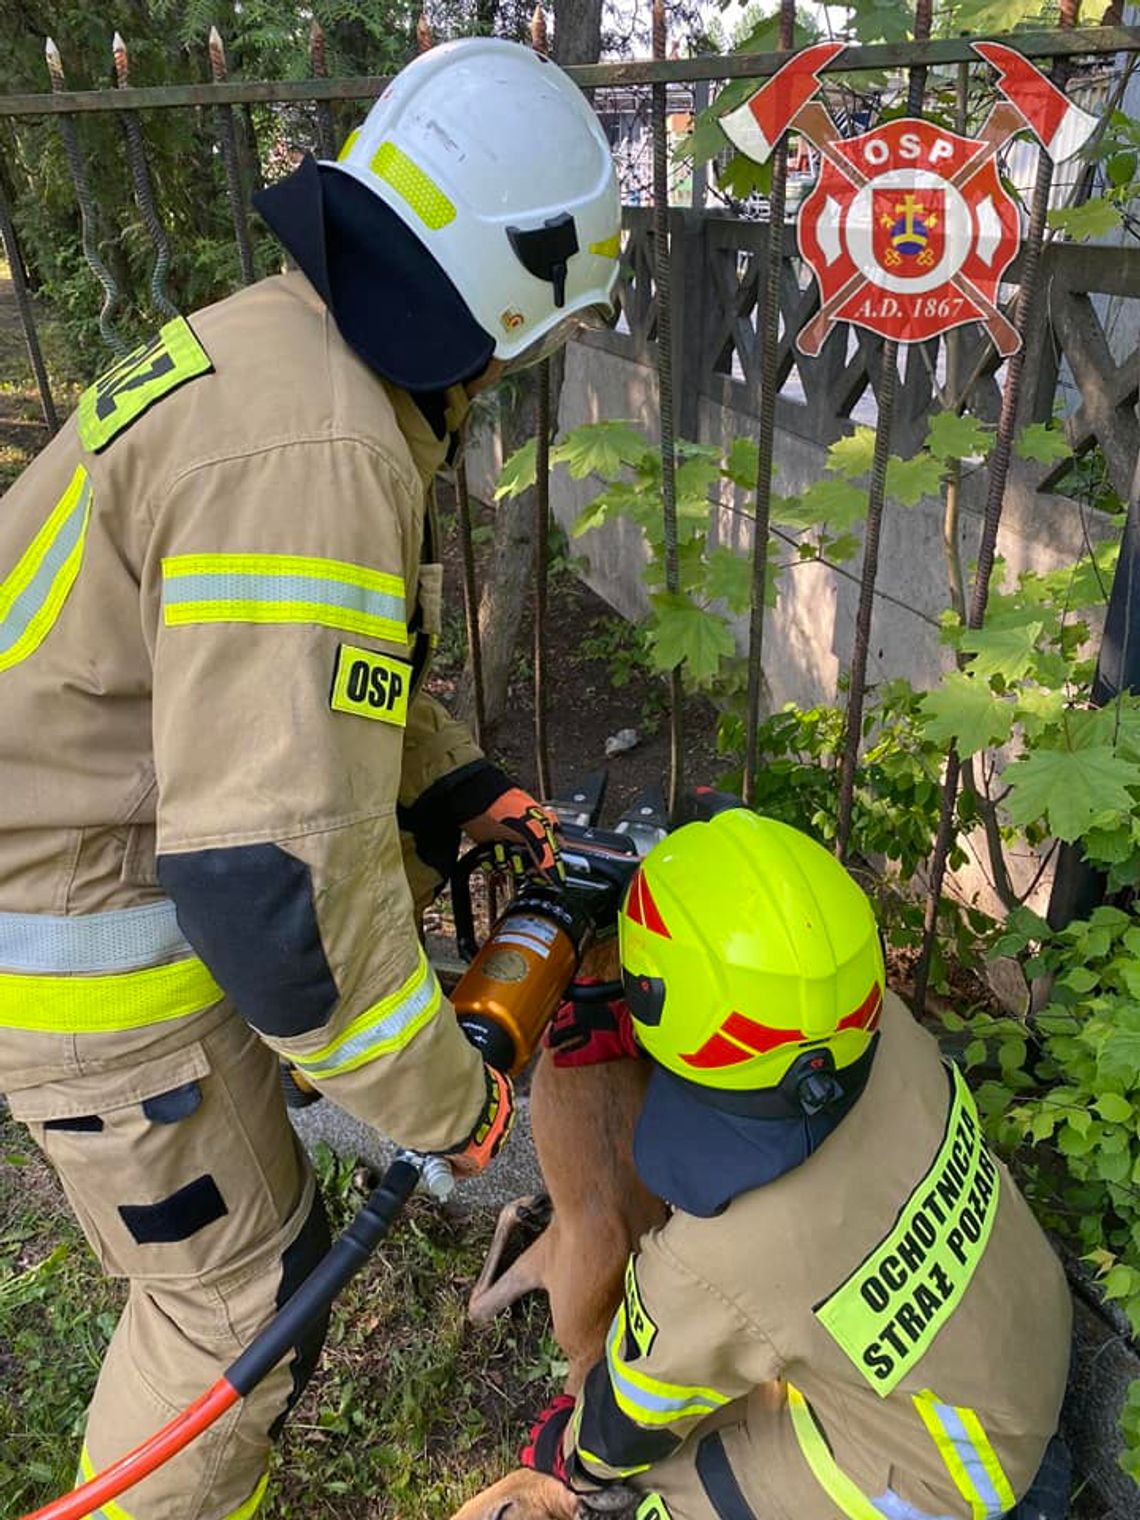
<point x="1007" y="651"/>
<point x="1071" y="786"/>
<point x="908" y="480"/>
<point x="681" y="633"/>
<point x="519" y="472"/>
<point x="965" y="710"/>
<point x="600" y="448"/>
<point x="955" y="437"/>
<point x="1042" y="443"/>
<point x="833" y="501"/>
<point x="1095" y="218"/>
<point x="852" y="456"/>
<point x="729" y="579"/>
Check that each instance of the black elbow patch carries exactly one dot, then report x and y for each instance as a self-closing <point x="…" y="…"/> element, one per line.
<point x="249" y="913"/>
<point x="610" y="1435"/>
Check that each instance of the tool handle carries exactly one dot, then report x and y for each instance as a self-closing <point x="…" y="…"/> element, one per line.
<point x="278" y="1338"/>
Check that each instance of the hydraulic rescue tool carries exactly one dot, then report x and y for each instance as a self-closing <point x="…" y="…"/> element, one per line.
<point x="504" y="999"/>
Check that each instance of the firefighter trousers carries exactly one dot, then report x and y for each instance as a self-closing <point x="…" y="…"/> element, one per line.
<point x="187" y="1180"/>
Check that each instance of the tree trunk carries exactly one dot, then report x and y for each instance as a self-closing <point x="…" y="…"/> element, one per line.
<point x="503" y="600"/>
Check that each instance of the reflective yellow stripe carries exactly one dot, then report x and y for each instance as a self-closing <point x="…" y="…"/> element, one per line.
<point x="647" y="1400"/>
<point x="969" y="1457"/>
<point x="33" y="593"/>
<point x="348" y="145"/>
<point x="423" y="195"/>
<point x="839" y="1488"/>
<point x="103" y="1004"/>
<point x="283" y="588"/>
<point x="110" y="1510"/>
<point x="386" y="1026"/>
<point x="113" y="1511"/>
<point x="608" y="248"/>
<point x="596" y="1461"/>
<point x="136" y="382"/>
<point x="252" y="1504"/>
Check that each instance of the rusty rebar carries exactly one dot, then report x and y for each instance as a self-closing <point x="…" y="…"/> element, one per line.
<point x="663" y="282"/>
<point x="318" y="58"/>
<point x="991" y="521"/>
<point x="470" y="596"/>
<point x="425" y="40"/>
<point x="876" y="500"/>
<point x="541" y="576"/>
<point x="227" y="140"/>
<point x="26" y="314"/>
<point x="88" y="212"/>
<point x="144" y="190"/>
<point x="765" y="444"/>
<point x="539" y="41"/>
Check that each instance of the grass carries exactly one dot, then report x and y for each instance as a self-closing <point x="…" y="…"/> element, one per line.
<point x="411" y="1411"/>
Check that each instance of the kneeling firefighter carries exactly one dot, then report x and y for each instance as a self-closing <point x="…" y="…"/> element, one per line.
<point x="220" y="772"/>
<point x="851" y="1310"/>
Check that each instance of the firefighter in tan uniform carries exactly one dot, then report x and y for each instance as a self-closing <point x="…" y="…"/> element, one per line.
<point x="217" y="604"/>
<point x="850" y="1311"/>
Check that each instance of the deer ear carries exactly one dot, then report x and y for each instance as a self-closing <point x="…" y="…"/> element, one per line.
<point x="617" y="1502"/>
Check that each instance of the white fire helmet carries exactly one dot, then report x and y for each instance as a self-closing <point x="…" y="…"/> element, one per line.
<point x="494" y="160"/>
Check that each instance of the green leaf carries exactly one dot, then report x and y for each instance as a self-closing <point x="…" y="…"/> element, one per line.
<point x="833" y="501"/>
<point x="852" y="456"/>
<point x="705" y="141"/>
<point x="1096" y="218"/>
<point x="1070" y="787"/>
<point x="909" y="480"/>
<point x="1043" y="443"/>
<point x="740" y="465"/>
<point x="1115" y="1108"/>
<point x="1120" y="169"/>
<point x="955" y="437"/>
<point x="743" y="177"/>
<point x="600" y="448"/>
<point x="681" y="633"/>
<point x="1004" y="652"/>
<point x="519" y="472"/>
<point x="964" y="709"/>
<point x="729" y="579"/>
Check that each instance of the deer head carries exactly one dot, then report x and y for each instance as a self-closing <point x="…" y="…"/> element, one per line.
<point x="526" y="1495"/>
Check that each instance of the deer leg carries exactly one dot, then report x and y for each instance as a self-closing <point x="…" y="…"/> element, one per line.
<point x="512" y="1266"/>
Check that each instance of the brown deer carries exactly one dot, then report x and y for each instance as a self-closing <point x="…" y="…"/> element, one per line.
<point x="583" y="1119"/>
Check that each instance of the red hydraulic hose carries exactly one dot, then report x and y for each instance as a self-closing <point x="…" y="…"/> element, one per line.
<point x="278" y="1338"/>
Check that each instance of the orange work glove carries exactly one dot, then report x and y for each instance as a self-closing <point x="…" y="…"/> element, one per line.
<point x="517" y="820"/>
<point x="491" y="1129"/>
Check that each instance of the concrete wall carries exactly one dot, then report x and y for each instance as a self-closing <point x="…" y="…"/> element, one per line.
<point x="808" y="636"/>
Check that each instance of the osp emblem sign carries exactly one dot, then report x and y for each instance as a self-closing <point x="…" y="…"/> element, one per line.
<point x="908" y="229"/>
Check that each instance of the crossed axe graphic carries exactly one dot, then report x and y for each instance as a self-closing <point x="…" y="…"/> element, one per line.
<point x="787" y="102"/>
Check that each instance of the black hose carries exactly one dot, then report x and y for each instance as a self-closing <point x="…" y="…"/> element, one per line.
<point x="326" y="1280"/>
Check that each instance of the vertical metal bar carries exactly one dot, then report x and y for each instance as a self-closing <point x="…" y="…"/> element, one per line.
<point x="326" y="128"/>
<point x="765" y="447"/>
<point x="425" y="41"/>
<point x="888" y="385"/>
<point x="87" y="212"/>
<point x="539" y="42"/>
<point x="541" y="558"/>
<point x="995" y="500"/>
<point x="27" y="316"/>
<point x="144" y="192"/>
<point x="470" y="596"/>
<point x="661" y="270"/>
<point x="227" y="139"/>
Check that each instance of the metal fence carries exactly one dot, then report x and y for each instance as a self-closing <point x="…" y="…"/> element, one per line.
<point x="731" y="288"/>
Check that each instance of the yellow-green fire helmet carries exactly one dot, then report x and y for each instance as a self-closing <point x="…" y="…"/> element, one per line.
<point x="744" y="946"/>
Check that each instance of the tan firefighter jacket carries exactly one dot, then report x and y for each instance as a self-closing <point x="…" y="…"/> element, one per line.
<point x="215" y="617"/>
<point x="898" y="1285"/>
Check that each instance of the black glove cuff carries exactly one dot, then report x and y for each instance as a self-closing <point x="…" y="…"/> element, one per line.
<point x="434" y="819"/>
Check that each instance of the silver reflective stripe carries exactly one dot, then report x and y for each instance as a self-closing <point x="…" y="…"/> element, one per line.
<point x="91" y="943"/>
<point x="319" y="590"/>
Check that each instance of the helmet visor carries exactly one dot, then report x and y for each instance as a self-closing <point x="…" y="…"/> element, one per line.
<point x="594" y="317"/>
